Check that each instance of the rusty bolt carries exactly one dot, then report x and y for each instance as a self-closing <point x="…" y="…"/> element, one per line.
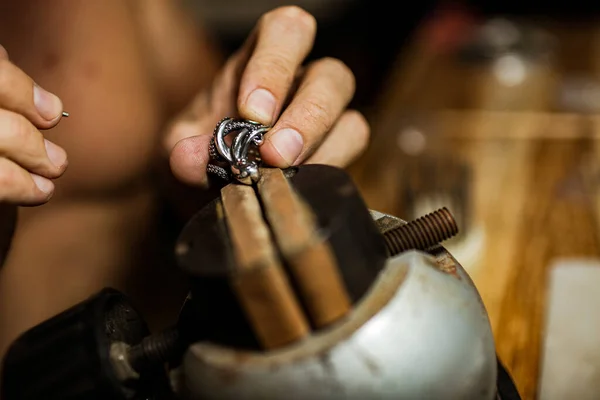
<point x="422" y="233"/>
<point x="154" y="350"/>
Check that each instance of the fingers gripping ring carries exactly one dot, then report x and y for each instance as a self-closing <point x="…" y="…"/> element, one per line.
<point x="241" y="159"/>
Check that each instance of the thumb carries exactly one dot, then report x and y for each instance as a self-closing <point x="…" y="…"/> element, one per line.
<point x="20" y="94"/>
<point x="189" y="159"/>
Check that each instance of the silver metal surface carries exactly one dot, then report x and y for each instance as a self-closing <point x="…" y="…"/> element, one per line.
<point x="120" y="363"/>
<point x="420" y="333"/>
<point x="65" y="114"/>
<point x="242" y="161"/>
<point x="218" y="171"/>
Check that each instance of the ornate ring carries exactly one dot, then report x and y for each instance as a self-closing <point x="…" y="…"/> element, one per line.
<point x="240" y="159"/>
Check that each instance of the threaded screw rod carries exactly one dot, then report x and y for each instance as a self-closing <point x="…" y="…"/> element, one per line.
<point x="422" y="233"/>
<point x="154" y="350"/>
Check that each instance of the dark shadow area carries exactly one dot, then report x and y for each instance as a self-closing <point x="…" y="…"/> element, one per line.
<point x="368" y="35"/>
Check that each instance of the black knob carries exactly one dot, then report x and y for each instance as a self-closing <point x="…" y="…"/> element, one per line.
<point x="68" y="356"/>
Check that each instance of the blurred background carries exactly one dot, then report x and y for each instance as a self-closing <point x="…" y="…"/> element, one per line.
<point x="490" y="108"/>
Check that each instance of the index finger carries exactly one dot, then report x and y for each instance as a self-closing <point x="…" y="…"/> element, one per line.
<point x="284" y="38"/>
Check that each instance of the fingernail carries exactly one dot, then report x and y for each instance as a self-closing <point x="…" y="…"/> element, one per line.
<point x="56" y="154"/>
<point x="48" y="105"/>
<point x="288" y="143"/>
<point x="262" y="103"/>
<point x="45" y="185"/>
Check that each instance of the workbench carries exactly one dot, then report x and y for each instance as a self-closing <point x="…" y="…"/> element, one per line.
<point x="517" y="167"/>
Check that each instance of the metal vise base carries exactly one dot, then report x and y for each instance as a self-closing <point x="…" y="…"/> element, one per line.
<point x="421" y="332"/>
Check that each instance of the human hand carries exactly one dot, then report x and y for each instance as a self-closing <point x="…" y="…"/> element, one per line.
<point x="266" y="82"/>
<point x="28" y="162"/>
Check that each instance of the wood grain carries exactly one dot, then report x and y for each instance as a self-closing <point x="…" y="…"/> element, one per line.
<point x="260" y="282"/>
<point x="557" y="221"/>
<point x="310" y="259"/>
<point x="534" y="181"/>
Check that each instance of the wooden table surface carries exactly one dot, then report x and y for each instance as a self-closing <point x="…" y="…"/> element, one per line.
<point x="517" y="167"/>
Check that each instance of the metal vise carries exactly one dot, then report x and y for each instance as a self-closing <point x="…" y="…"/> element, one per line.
<point x="297" y="291"/>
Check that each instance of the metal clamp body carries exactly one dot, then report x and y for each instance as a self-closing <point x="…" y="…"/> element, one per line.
<point x="420" y="332"/>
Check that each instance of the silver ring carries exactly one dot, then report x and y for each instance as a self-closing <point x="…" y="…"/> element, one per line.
<point x="240" y="160"/>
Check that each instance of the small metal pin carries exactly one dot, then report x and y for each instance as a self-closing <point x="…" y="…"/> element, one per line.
<point x="65" y="114"/>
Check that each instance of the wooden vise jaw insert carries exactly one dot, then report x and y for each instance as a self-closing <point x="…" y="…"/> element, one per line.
<point x="296" y="252"/>
<point x="261" y="283"/>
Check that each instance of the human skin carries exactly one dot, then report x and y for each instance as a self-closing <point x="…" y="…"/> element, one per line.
<point x="144" y="87"/>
